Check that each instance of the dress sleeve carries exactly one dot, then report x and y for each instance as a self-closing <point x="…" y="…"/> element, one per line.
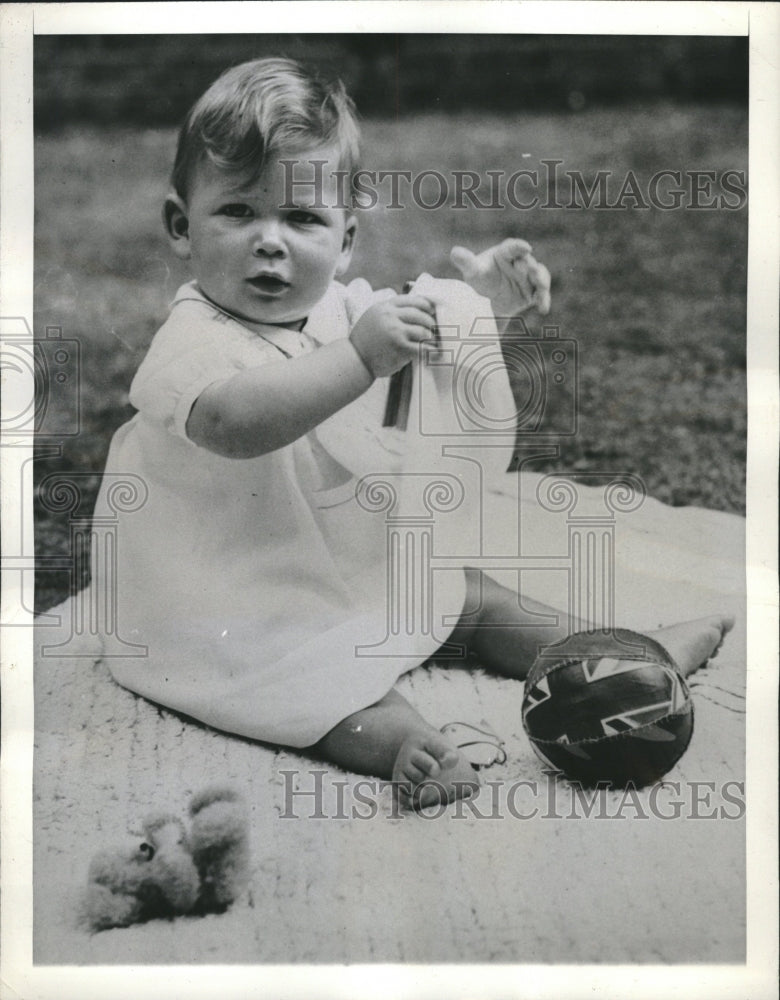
<point x="196" y="347"/>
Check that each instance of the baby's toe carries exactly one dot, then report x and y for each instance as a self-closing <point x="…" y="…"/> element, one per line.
<point x="442" y="750"/>
<point x="422" y="764"/>
<point x="726" y="624"/>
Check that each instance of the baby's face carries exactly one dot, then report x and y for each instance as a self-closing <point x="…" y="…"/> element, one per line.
<point x="259" y="251"/>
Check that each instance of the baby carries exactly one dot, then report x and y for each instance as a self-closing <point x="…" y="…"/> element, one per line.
<point x="247" y="579"/>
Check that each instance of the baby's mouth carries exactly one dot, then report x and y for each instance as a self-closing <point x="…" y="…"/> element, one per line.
<point x="269" y="284"/>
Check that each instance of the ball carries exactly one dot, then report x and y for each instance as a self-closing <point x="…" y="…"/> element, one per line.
<point x="608" y="707"/>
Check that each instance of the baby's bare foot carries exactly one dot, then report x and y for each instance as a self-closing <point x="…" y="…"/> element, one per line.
<point x="691" y="644"/>
<point x="430" y="769"/>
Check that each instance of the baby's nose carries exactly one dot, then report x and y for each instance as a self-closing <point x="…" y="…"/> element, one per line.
<point x="267" y="239"/>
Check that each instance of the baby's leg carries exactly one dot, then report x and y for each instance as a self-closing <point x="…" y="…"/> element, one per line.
<point x="391" y="740"/>
<point x="506" y="636"/>
<point x="506" y="632"/>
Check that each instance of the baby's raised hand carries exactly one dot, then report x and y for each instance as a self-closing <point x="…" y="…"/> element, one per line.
<point x="388" y="334"/>
<point x="508" y="275"/>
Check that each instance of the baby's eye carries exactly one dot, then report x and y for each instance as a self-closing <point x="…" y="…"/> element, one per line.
<point x="236" y="211"/>
<point x="300" y="217"/>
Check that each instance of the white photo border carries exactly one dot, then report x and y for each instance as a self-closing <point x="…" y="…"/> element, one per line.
<point x="757" y="978"/>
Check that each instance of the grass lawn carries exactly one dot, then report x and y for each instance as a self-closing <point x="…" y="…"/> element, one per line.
<point x="655" y="299"/>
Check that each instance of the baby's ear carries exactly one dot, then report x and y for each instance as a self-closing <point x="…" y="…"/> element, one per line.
<point x="177" y="225"/>
<point x="348" y="245"/>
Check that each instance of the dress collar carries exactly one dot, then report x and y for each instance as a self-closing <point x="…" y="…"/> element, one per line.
<point x="289" y="341"/>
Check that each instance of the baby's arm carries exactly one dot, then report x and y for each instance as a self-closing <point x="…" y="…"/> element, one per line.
<point x="508" y="275"/>
<point x="265" y="408"/>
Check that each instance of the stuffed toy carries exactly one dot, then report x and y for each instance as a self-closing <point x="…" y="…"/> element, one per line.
<point x="173" y="871"/>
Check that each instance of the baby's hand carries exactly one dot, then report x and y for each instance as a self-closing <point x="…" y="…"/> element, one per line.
<point x="508" y="275"/>
<point x="388" y="334"/>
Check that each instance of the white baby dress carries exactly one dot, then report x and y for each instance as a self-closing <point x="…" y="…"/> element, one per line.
<point x="246" y="585"/>
<point x="272" y="597"/>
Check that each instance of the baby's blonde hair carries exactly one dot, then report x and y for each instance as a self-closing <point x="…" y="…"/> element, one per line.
<point x="267" y="107"/>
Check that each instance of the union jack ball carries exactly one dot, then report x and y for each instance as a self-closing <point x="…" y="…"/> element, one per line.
<point x="608" y="707"/>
